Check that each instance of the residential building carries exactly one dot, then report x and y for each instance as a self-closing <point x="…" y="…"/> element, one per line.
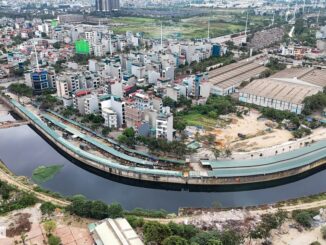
<point x="110" y="118"/>
<point x="91" y="104"/>
<point x="164" y="125"/>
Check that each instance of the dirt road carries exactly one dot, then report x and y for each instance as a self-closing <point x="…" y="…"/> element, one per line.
<point x="13" y="180"/>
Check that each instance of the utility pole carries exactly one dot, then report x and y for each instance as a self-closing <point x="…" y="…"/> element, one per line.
<point x="247" y="23"/>
<point x="318" y="18"/>
<point x="37" y="64"/>
<point x="209" y="23"/>
<point x="162" y="35"/>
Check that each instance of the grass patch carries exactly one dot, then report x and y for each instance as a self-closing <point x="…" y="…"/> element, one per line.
<point x="197" y="119"/>
<point x="43" y="174"/>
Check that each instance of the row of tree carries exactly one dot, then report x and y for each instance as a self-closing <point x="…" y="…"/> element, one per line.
<point x="94" y="209"/>
<point x="172" y="234"/>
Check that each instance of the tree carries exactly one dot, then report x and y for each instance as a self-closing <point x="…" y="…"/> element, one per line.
<point x="230" y="45"/>
<point x="184" y="231"/>
<point x="304" y="218"/>
<point x="203" y="238"/>
<point x="167" y="101"/>
<point x="228" y="153"/>
<point x="128" y="137"/>
<point x="175" y="240"/>
<point x="212" y="114"/>
<point x="115" y="210"/>
<point x="54" y="240"/>
<point x="179" y="124"/>
<point x="99" y="210"/>
<point x="315" y="243"/>
<point x="216" y="153"/>
<point x="49" y="226"/>
<point x="56" y="45"/>
<point x="156" y="232"/>
<point x="47" y="208"/>
<point x="323" y="232"/>
<point x="20" y="90"/>
<point x="210" y="139"/>
<point x="314" y="103"/>
<point x="47" y="101"/>
<point x="23" y="237"/>
<point x="214" y="242"/>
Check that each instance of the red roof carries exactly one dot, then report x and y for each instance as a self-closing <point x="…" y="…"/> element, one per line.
<point x="82" y="93"/>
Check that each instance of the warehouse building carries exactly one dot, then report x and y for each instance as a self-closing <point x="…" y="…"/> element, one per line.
<point x="285" y="90"/>
<point x="308" y="75"/>
<point x="114" y="232"/>
<point x="280" y="95"/>
<point x="227" y="79"/>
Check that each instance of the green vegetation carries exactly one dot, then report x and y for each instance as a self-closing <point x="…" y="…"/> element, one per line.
<point x="48" y="192"/>
<point x="128" y="137"/>
<point x="135" y="221"/>
<point x="69" y="111"/>
<point x="58" y="66"/>
<point x="94" y="120"/>
<point x="81" y="59"/>
<point x="49" y="227"/>
<point x="269" y="222"/>
<point x="206" y="115"/>
<point x="173" y="233"/>
<point x="279" y="116"/>
<point x="94" y="209"/>
<point x="47" y="208"/>
<point x="175" y="240"/>
<point x="18" y="200"/>
<point x="182" y="102"/>
<point x="303" y="33"/>
<point x="57" y="45"/>
<point x="323" y="232"/>
<point x="44" y="173"/>
<point x="54" y="240"/>
<point x="157" y="146"/>
<point x="314" y="103"/>
<point x="203" y="65"/>
<point x="155" y="232"/>
<point x="274" y="65"/>
<point x="304" y="217"/>
<point x="221" y="23"/>
<point x="315" y="243"/>
<point x="47" y="101"/>
<point x="197" y="119"/>
<point x="147" y="213"/>
<point x="20" y="89"/>
<point x="301" y="132"/>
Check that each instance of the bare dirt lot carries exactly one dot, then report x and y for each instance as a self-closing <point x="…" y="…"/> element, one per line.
<point x="71" y="230"/>
<point x="257" y="133"/>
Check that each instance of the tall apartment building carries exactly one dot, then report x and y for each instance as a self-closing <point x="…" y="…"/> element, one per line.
<point x="164" y="125"/>
<point x="110" y="118"/>
<point x="107" y="5"/>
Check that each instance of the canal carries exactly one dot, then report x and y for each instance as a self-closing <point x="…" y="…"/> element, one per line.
<point x="23" y="150"/>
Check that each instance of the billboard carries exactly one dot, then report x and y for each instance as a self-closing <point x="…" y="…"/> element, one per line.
<point x="54" y="23"/>
<point x="82" y="47"/>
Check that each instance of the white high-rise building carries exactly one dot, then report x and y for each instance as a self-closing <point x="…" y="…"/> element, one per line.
<point x="164" y="125"/>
